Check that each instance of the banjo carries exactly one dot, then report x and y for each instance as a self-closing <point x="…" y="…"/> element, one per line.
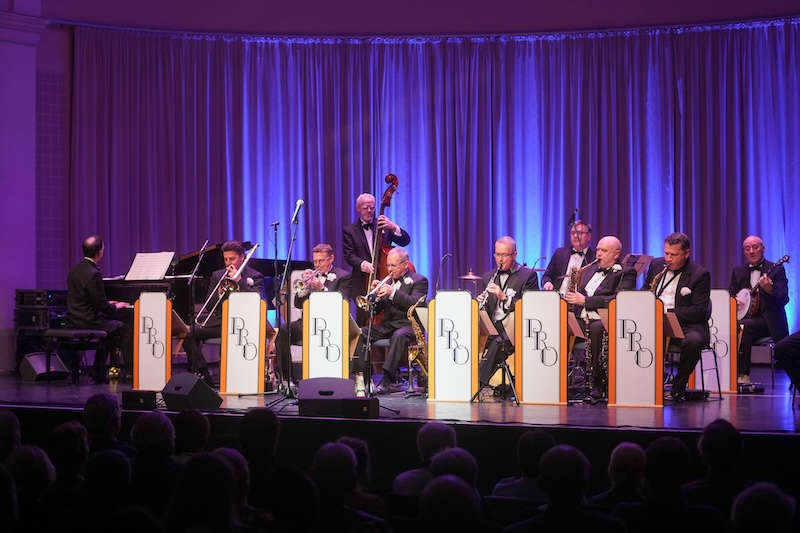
<point x="747" y="300"/>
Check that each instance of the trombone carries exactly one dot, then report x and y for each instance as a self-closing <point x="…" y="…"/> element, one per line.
<point x="224" y="287"/>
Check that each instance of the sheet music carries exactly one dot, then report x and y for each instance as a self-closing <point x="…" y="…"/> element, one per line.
<point x="149" y="266"/>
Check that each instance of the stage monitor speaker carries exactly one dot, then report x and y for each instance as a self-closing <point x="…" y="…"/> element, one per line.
<point x="139" y="400"/>
<point x="187" y="391"/>
<point x="33" y="367"/>
<point x="333" y="397"/>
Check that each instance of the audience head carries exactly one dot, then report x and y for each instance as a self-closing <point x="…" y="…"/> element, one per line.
<point x="203" y="498"/>
<point x="68" y="449"/>
<point x="457" y="462"/>
<point x="102" y="416"/>
<point x="448" y="503"/>
<point x="241" y="473"/>
<point x="361" y="450"/>
<point x="563" y="475"/>
<point x="8" y="499"/>
<point x="297" y="501"/>
<point x="763" y="507"/>
<point x="192" y="430"/>
<point x="626" y="466"/>
<point x="334" y="471"/>
<point x="530" y="448"/>
<point x="667" y="463"/>
<point x="154" y="434"/>
<point x="108" y="475"/>
<point x="434" y="437"/>
<point x="33" y="473"/>
<point x="720" y="445"/>
<point x="258" y="434"/>
<point x="10" y="436"/>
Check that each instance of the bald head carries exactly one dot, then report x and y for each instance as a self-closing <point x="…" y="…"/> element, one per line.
<point x="753" y="248"/>
<point x="608" y="250"/>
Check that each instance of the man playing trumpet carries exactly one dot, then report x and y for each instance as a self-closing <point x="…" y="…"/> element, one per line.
<point x="393" y="295"/>
<point x="325" y="277"/>
<point x="248" y="280"/>
<point x="600" y="283"/>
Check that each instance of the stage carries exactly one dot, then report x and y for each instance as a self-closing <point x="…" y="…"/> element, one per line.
<point x="488" y="429"/>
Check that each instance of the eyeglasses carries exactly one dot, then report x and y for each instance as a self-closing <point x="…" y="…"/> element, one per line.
<point x="499" y="254"/>
<point x="578" y="232"/>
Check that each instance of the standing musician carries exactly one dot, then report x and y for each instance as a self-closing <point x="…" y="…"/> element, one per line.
<point x="358" y="239"/>
<point x="566" y="258"/>
<point x="600" y="283"/>
<point x="88" y="308"/>
<point x="394" y="295"/>
<point x="769" y="318"/>
<point x="249" y="280"/>
<point x="502" y="288"/>
<point x="685" y="289"/>
<point x="324" y="277"/>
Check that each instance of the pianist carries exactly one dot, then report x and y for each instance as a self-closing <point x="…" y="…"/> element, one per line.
<point x="88" y="308"/>
<point x="249" y="280"/>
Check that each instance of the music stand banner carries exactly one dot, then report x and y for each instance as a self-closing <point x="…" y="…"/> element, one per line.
<point x="541" y="348"/>
<point x="152" y="341"/>
<point x="326" y="336"/>
<point x="636" y="350"/>
<point x="244" y="336"/>
<point x="452" y="346"/>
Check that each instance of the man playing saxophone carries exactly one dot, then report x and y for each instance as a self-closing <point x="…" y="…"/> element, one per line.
<point x="325" y="277"/>
<point x="502" y="288"/>
<point x="599" y="284"/>
<point x="578" y="254"/>
<point x="685" y="289"/>
<point x="393" y="295"/>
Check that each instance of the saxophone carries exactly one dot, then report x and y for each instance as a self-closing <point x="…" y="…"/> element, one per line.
<point x="575" y="276"/>
<point x="656" y="279"/>
<point x="416" y="351"/>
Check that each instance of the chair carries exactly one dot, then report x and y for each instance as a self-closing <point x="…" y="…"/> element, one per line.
<point x="768" y="342"/>
<point x="378" y="347"/>
<point x="674" y="350"/>
<point x="72" y="340"/>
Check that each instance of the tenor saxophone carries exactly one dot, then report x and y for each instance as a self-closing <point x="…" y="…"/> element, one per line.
<point x="654" y="282"/>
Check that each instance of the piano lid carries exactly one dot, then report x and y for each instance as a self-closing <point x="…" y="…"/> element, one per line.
<point x="213" y="260"/>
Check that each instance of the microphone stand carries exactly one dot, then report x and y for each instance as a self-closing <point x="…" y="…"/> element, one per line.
<point x="439" y="274"/>
<point x="373" y="303"/>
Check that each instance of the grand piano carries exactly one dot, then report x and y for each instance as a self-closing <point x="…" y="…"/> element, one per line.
<point x="175" y="283"/>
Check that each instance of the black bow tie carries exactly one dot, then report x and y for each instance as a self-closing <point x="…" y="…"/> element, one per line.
<point x="606" y="271"/>
<point x="574" y="251"/>
<point x="366" y="226"/>
<point x="503" y="273"/>
<point x="755" y="267"/>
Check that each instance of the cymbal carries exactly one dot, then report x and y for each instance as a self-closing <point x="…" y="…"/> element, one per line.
<point x="470" y="276"/>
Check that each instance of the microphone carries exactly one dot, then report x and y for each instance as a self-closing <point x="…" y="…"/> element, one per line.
<point x="441" y="266"/>
<point x="535" y="262"/>
<point x="297" y="207"/>
<point x="275" y="224"/>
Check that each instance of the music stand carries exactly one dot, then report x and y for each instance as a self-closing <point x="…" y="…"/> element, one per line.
<point x="487" y="328"/>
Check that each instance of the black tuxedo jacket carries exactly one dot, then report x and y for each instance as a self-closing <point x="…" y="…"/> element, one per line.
<point x="557" y="267"/>
<point x="251" y="281"/>
<point x="771" y="306"/>
<point x="693" y="309"/>
<point x="87" y="306"/>
<point x="520" y="279"/>
<point x="412" y="286"/>
<point x="623" y="280"/>
<point x="340" y="283"/>
<point x="356" y="250"/>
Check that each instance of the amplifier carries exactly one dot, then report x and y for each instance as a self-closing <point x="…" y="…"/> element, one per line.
<point x="42" y="318"/>
<point x="40" y="298"/>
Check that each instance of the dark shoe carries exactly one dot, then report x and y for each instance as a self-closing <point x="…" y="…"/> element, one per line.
<point x="677" y="396"/>
<point x="205" y="376"/>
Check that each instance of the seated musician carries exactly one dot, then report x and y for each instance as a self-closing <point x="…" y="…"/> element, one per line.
<point x="564" y="259"/>
<point x="357" y="241"/>
<point x="502" y="288"/>
<point x="769" y="317"/>
<point x="599" y="284"/>
<point x="324" y="277"/>
<point x="685" y="289"/>
<point x="394" y="296"/>
<point x="87" y="308"/>
<point x="249" y="280"/>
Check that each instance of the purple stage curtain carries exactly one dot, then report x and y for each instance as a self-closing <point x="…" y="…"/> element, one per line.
<point x="181" y="137"/>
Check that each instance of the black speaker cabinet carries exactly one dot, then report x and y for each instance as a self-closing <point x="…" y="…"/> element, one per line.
<point x="33" y="367"/>
<point x="187" y="391"/>
<point x="333" y="397"/>
<point x="139" y="400"/>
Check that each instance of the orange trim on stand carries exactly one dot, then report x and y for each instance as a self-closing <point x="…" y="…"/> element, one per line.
<point x="345" y="339"/>
<point x="733" y="352"/>
<point x="517" y="349"/>
<point x="262" y="343"/>
<point x="136" y="345"/>
<point x="223" y="354"/>
<point x="562" y="328"/>
<point x="659" y="399"/>
<point x="612" y="351"/>
<point x="168" y="342"/>
<point x="306" y="339"/>
<point x="432" y="349"/>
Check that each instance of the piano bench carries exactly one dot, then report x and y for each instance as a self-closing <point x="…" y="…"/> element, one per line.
<point x="72" y="341"/>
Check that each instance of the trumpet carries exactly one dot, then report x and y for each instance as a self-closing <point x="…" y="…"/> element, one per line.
<point x="224" y="287"/>
<point x="484" y="296"/>
<point x="364" y="301"/>
<point x="300" y="285"/>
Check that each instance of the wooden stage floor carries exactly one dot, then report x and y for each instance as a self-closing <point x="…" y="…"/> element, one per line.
<point x="769" y="412"/>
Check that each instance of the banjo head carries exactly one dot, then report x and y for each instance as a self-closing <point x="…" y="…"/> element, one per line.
<point x="742" y="303"/>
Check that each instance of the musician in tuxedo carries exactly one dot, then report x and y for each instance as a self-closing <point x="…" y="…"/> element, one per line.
<point x="769" y="319"/>
<point x="324" y="278"/>
<point x="600" y="283"/>
<point x="564" y="259"/>
<point x="502" y="288"/>
<point x="685" y="289"/>
<point x="394" y="298"/>
<point x="88" y="308"/>
<point x="358" y="239"/>
<point x="249" y="280"/>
